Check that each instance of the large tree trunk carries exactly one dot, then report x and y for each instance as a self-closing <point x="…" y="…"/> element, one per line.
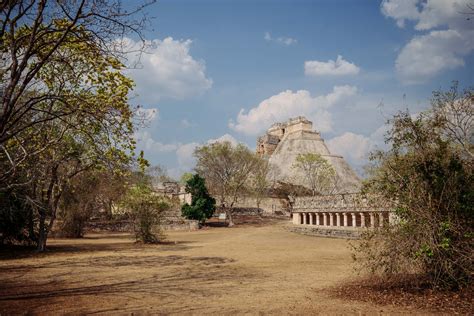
<point x="228" y="212"/>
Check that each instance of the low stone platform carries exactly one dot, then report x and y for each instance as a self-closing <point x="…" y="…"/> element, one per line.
<point x="331" y="232"/>
<point x="179" y="223"/>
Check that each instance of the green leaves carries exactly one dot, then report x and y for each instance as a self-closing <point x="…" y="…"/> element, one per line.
<point x="202" y="204"/>
<point x="316" y="171"/>
<point x="146" y="210"/>
<point x="427" y="175"/>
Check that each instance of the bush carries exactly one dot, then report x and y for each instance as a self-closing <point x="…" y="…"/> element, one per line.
<point x="146" y="210"/>
<point x="428" y="176"/>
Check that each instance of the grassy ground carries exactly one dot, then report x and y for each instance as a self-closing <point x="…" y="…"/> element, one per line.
<point x="244" y="270"/>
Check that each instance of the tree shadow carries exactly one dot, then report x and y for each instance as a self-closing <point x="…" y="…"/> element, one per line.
<point x="11" y="252"/>
<point x="164" y="278"/>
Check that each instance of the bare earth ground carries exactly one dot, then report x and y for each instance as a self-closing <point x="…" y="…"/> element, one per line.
<point x="242" y="270"/>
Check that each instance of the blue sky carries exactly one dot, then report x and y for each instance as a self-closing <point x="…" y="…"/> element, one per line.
<point x="208" y="61"/>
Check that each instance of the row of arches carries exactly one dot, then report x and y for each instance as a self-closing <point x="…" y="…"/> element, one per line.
<point x="341" y="219"/>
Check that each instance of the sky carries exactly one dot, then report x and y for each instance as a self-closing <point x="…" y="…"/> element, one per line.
<point x="227" y="70"/>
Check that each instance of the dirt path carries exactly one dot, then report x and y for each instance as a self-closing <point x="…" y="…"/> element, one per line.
<point x="244" y="270"/>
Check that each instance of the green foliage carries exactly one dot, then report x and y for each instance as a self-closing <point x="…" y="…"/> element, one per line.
<point x="227" y="170"/>
<point x="146" y="210"/>
<point x="317" y="173"/>
<point x="65" y="105"/>
<point x="428" y="176"/>
<point x="202" y="204"/>
<point x="259" y="183"/>
<point x="185" y="178"/>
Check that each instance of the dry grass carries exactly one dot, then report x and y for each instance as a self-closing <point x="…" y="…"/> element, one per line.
<point x="253" y="269"/>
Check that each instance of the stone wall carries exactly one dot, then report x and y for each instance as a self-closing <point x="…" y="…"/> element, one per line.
<point x="180" y="225"/>
<point x="333" y="232"/>
<point x="269" y="205"/>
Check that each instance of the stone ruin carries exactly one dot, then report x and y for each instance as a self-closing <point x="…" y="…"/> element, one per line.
<point x="172" y="218"/>
<point x="345" y="213"/>
<point x="283" y="142"/>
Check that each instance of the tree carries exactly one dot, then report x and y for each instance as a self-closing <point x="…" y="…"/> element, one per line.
<point x="427" y="177"/>
<point x="185" y="178"/>
<point x="202" y="204"/>
<point x="317" y="174"/>
<point x="33" y="37"/>
<point x="158" y="174"/>
<point x="259" y="182"/>
<point x="64" y="107"/>
<point x="146" y="210"/>
<point x="226" y="169"/>
<point x="90" y="193"/>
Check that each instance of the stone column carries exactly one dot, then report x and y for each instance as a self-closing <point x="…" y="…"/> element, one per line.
<point x="317" y="219"/>
<point x="304" y="218"/>
<point x="372" y="220"/>
<point x="338" y="219"/>
<point x="325" y="220"/>
<point x="381" y="221"/>
<point x="311" y="221"/>
<point x="345" y="219"/>
<point x="354" y="220"/>
<point x="331" y="219"/>
<point x="296" y="218"/>
<point x="362" y="219"/>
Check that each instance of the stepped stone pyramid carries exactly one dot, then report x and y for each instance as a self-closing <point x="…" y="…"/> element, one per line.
<point x="283" y="142"/>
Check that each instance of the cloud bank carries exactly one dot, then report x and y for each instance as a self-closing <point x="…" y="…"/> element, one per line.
<point x="289" y="104"/>
<point x="429" y="54"/>
<point x="165" y="69"/>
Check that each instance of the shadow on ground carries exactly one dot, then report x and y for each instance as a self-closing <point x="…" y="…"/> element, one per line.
<point x="82" y="245"/>
<point x="114" y="279"/>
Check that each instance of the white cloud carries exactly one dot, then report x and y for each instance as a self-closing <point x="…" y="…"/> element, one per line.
<point x="429" y="14"/>
<point x="339" y="67"/>
<point x="400" y="10"/>
<point x="356" y="148"/>
<point x="287" y="41"/>
<point x="224" y="138"/>
<point x="427" y="55"/>
<point x="146" y="142"/>
<point x="166" y="70"/>
<point x="289" y="104"/>
<point x="352" y="146"/>
<point x="185" y="157"/>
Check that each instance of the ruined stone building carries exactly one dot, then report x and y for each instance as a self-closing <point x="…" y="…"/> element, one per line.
<point x="283" y="142"/>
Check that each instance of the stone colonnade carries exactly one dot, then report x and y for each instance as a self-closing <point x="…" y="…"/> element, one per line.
<point x="341" y="219"/>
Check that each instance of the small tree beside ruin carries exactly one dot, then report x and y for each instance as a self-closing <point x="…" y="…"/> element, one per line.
<point x="316" y="172"/>
<point x="146" y="211"/>
<point x="259" y="181"/>
<point x="227" y="170"/>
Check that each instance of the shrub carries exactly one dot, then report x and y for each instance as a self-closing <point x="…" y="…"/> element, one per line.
<point x="427" y="174"/>
<point x="146" y="210"/>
